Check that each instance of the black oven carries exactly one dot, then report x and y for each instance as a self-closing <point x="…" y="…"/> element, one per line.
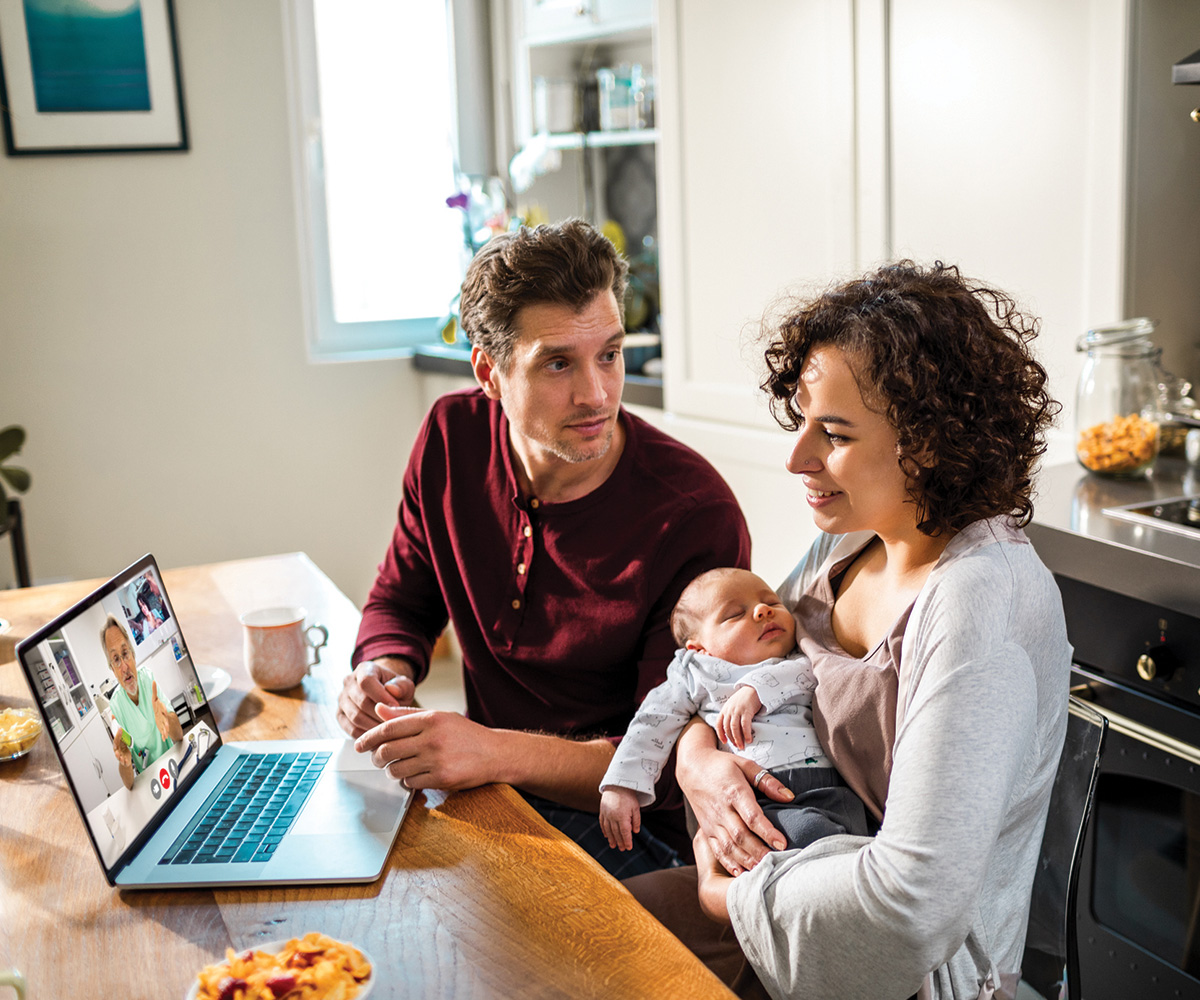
<point x="1139" y="895"/>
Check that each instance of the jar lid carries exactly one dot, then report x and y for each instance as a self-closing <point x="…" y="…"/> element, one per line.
<point x="1117" y="333"/>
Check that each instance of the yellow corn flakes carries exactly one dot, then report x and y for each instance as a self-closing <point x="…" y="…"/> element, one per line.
<point x="314" y="967"/>
<point x="19" y="728"/>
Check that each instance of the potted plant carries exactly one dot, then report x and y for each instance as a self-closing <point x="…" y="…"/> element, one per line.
<point x="16" y="478"/>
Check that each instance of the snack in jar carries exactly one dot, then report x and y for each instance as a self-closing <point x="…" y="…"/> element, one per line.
<point x="1117" y="402"/>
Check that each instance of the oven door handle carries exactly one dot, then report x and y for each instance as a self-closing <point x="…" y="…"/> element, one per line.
<point x="1143" y="734"/>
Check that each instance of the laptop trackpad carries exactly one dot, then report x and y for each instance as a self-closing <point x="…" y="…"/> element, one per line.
<point x="345" y="801"/>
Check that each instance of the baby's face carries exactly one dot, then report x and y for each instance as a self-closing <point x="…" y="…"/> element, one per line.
<point x="742" y="620"/>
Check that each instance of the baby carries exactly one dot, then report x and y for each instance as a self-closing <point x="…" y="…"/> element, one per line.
<point x="739" y="669"/>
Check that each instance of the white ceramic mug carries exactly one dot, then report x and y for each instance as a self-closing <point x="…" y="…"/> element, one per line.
<point x="277" y="644"/>
<point x="11" y="977"/>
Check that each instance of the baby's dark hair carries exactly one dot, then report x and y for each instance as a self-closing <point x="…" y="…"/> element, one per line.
<point x="685" y="617"/>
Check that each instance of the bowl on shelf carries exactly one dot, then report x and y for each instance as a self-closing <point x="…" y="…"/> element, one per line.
<point x="19" y="731"/>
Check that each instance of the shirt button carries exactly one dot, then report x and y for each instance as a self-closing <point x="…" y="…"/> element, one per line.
<point x="521" y="568"/>
<point x="528" y="531"/>
<point x="516" y="605"/>
<point x="534" y="503"/>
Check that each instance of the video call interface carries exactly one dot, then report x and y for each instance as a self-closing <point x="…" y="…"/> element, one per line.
<point x="125" y="705"/>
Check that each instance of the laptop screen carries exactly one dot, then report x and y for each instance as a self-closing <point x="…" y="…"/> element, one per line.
<point x="123" y="704"/>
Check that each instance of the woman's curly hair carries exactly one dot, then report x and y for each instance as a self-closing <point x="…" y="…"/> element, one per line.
<point x="947" y="361"/>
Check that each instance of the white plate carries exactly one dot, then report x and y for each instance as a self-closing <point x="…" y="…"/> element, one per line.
<point x="214" y="680"/>
<point x="273" y="947"/>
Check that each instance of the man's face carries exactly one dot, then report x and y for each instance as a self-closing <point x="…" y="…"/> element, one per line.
<point x="562" y="389"/>
<point x="121" y="660"/>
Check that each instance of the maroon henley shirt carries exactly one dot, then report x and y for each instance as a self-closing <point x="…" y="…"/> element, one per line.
<point x="561" y="609"/>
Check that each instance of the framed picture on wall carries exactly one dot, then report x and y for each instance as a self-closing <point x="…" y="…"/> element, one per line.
<point x="90" y="76"/>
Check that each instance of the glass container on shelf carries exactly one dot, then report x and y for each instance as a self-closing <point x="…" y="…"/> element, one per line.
<point x="1117" y="402"/>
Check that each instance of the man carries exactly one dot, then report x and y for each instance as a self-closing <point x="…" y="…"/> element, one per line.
<point x="148" y="728"/>
<point x="556" y="531"/>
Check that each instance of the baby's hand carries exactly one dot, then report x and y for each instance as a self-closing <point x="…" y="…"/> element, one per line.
<point x="620" y="817"/>
<point x="734" y="724"/>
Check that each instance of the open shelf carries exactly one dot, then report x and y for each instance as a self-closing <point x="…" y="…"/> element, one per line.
<point x="603" y="140"/>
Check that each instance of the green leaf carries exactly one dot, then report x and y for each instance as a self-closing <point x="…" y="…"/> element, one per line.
<point x="3" y="509"/>
<point x="11" y="439"/>
<point x="17" y="477"/>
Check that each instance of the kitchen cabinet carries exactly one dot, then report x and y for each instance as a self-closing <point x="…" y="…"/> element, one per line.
<point x="551" y="52"/>
<point x="557" y="21"/>
<point x="759" y="159"/>
<point x="560" y="41"/>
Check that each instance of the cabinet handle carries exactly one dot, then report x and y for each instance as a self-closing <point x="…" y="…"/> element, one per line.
<point x="99" y="769"/>
<point x="1195" y="116"/>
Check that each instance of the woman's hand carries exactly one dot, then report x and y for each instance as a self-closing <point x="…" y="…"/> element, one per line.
<point x="720" y="788"/>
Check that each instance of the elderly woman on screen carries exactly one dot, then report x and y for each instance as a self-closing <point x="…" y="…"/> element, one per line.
<point x="940" y="651"/>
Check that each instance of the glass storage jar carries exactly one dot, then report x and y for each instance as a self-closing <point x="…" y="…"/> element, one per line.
<point x="1116" y="406"/>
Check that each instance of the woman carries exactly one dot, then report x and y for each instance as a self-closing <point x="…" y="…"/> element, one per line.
<point x="151" y="619"/>
<point x="940" y="651"/>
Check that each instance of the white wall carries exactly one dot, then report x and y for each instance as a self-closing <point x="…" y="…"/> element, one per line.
<point x="1008" y="156"/>
<point x="150" y="343"/>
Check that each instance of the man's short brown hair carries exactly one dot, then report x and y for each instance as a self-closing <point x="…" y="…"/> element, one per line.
<point x="567" y="263"/>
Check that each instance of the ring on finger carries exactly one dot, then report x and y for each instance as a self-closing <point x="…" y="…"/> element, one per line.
<point x="759" y="777"/>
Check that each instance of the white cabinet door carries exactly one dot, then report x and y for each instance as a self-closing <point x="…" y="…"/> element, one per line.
<point x="91" y="760"/>
<point x="757" y="182"/>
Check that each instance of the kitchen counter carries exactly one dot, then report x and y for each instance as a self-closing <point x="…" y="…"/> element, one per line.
<point x="1076" y="539"/>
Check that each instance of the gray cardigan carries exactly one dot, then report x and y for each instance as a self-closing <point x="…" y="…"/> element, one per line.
<point x="945" y="885"/>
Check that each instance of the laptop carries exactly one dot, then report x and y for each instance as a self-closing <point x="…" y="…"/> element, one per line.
<point x="178" y="805"/>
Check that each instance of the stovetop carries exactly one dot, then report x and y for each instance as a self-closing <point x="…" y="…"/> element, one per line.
<point x="1181" y="514"/>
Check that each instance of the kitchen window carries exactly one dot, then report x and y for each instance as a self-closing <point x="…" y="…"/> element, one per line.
<point x="374" y="138"/>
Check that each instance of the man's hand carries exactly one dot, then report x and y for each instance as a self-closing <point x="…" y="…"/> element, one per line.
<point x="165" y="721"/>
<point x="714" y="881"/>
<point x="427" y="749"/>
<point x="123" y="753"/>
<point x="718" y="786"/>
<point x="735" y="724"/>
<point x="385" y="681"/>
<point x="620" y="817"/>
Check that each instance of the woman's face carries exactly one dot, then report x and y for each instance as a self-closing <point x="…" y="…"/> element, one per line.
<point x="121" y="661"/>
<point x="847" y="454"/>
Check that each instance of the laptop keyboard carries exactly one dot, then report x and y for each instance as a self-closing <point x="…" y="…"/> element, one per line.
<point x="247" y="814"/>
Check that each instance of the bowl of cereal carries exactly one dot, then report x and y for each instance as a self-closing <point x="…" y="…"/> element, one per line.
<point x="19" y="731"/>
<point x="314" y="967"/>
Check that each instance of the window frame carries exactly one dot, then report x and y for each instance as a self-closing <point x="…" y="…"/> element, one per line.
<point x="327" y="339"/>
